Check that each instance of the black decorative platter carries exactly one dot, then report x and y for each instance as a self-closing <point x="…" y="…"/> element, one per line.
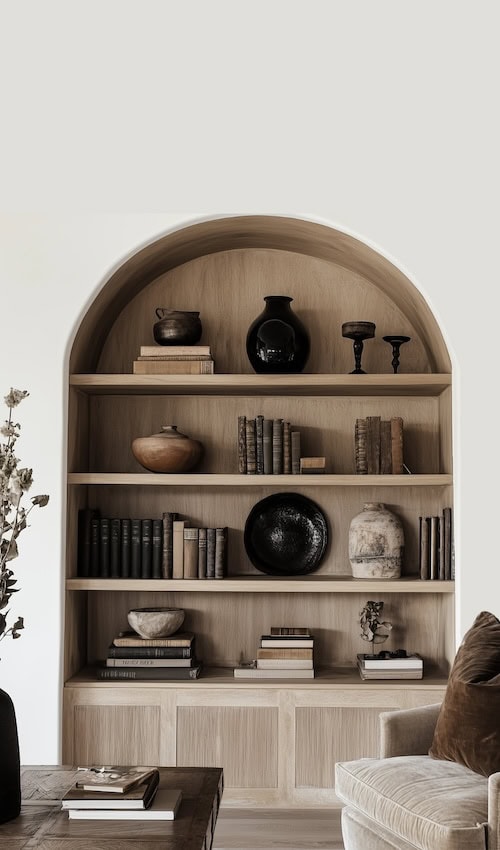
<point x="286" y="534"/>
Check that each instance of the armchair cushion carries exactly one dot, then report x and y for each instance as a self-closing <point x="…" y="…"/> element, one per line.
<point x="431" y="804"/>
<point x="468" y="728"/>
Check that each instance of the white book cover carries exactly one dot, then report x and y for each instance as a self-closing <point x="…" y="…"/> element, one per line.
<point x="284" y="663"/>
<point x="164" y="807"/>
<point x="292" y="643"/>
<point x="283" y="673"/>
<point x="150" y="662"/>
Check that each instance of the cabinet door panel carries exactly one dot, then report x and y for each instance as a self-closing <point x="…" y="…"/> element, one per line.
<point x="116" y="734"/>
<point x="244" y="741"/>
<point x="329" y="734"/>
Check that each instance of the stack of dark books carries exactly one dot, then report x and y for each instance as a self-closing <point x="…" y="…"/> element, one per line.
<point x="174" y="360"/>
<point x="287" y="652"/>
<point x="378" y="446"/>
<point x="267" y="447"/>
<point x="133" y="657"/>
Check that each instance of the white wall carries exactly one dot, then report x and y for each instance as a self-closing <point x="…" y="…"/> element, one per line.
<point x="377" y="118"/>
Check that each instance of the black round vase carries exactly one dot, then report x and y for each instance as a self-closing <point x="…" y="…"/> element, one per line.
<point x="10" y="770"/>
<point x="277" y="341"/>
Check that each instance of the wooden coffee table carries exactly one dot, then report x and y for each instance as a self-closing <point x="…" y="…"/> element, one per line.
<point x="42" y="824"/>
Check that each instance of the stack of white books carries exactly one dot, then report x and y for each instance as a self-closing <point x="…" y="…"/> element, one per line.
<point x="392" y="666"/>
<point x="286" y="653"/>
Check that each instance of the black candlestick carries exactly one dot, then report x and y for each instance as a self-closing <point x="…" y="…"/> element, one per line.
<point x="358" y="331"/>
<point x="396" y="341"/>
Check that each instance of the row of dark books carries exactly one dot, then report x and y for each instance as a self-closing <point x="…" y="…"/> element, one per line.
<point x="267" y="447"/>
<point x="285" y="653"/>
<point x="130" y="656"/>
<point x="174" y="360"/>
<point x="148" y="548"/>
<point x="436" y="558"/>
<point x="378" y="446"/>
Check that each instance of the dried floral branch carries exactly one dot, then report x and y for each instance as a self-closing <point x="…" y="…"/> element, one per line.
<point x="15" y="481"/>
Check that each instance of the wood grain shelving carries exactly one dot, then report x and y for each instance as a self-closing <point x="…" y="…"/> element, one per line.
<point x="277" y="739"/>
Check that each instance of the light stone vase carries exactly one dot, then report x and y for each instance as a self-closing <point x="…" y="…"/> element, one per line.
<point x="376" y="543"/>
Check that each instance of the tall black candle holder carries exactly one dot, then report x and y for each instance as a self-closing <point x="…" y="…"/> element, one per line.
<point x="396" y="340"/>
<point x="358" y="332"/>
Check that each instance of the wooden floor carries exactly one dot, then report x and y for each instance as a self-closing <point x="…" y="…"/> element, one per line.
<point x="259" y="829"/>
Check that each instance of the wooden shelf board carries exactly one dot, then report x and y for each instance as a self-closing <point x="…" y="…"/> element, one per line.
<point x="301" y="385"/>
<point x="157" y="479"/>
<point x="333" y="678"/>
<point x="266" y="584"/>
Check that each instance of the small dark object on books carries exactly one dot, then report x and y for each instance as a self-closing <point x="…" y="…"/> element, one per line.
<point x="177" y="327"/>
<point x="286" y="534"/>
<point x="384" y="654"/>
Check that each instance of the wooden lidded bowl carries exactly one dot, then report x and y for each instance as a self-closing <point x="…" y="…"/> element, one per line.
<point x="168" y="451"/>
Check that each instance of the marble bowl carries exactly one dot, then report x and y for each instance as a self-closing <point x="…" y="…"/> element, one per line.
<point x="155" y="622"/>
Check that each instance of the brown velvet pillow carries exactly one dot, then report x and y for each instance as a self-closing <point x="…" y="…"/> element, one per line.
<point x="468" y="726"/>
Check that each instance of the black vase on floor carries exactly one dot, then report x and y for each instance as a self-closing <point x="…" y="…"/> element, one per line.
<point x="277" y="341"/>
<point x="10" y="771"/>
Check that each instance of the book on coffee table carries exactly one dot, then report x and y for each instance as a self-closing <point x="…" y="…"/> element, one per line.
<point x="164" y="807"/>
<point x="140" y="796"/>
<point x="116" y="779"/>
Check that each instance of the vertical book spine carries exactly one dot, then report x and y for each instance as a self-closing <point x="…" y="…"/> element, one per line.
<point x="135" y="548"/>
<point x="242" y="445"/>
<point x="146" y="548"/>
<point x="115" y="548"/>
<point x="202" y="553"/>
<point x="125" y="548"/>
<point x="157" y="549"/>
<point x="191" y="552"/>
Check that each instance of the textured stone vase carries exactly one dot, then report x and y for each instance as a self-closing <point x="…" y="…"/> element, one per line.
<point x="168" y="451"/>
<point x="277" y="341"/>
<point x="376" y="543"/>
<point x="10" y="771"/>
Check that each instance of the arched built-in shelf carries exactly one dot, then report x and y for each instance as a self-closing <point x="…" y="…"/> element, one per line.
<point x="224" y="268"/>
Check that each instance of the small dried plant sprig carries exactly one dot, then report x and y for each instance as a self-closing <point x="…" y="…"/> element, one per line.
<point x="372" y="624"/>
<point x="15" y="481"/>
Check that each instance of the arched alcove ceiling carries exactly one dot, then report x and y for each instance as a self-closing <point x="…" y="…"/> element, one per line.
<point x="270" y="232"/>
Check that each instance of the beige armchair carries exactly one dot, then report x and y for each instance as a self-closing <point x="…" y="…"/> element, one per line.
<point x="405" y="799"/>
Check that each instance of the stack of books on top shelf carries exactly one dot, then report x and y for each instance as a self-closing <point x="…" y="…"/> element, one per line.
<point x="397" y="665"/>
<point x="267" y="447"/>
<point x="285" y="653"/>
<point x="378" y="446"/>
<point x="120" y="793"/>
<point x="436" y="548"/>
<point x="133" y="657"/>
<point x="174" y="360"/>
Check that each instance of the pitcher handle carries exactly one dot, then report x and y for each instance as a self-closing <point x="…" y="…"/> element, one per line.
<point x="160" y="312"/>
